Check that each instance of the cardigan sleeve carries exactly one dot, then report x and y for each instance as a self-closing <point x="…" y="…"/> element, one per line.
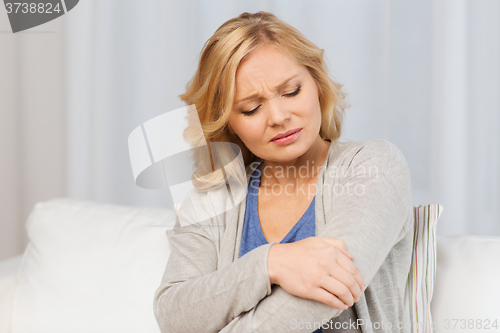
<point x="194" y="294"/>
<point x="369" y="208"/>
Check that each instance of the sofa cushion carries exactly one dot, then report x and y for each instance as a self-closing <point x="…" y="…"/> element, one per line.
<point x="420" y="282"/>
<point x="467" y="289"/>
<point x="91" y="267"/>
<point x="8" y="286"/>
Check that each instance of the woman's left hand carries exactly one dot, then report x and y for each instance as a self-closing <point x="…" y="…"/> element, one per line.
<point x="316" y="268"/>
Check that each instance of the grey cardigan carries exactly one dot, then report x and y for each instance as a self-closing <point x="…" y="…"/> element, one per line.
<point x="363" y="196"/>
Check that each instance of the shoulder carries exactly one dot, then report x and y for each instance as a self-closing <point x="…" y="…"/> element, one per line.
<point x="379" y="165"/>
<point x="378" y="152"/>
<point x="381" y="154"/>
<point x="372" y="159"/>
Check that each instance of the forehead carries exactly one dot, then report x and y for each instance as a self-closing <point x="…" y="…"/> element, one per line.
<point x="266" y="66"/>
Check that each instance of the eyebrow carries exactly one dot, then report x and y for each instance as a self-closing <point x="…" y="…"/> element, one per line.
<point x="281" y="85"/>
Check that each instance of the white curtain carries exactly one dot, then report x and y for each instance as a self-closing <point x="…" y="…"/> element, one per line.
<point x="32" y="126"/>
<point x="424" y="75"/>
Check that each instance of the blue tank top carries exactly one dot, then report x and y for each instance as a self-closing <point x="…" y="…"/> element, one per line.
<point x="253" y="236"/>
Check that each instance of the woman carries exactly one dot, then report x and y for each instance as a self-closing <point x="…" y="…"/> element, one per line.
<point x="322" y="219"/>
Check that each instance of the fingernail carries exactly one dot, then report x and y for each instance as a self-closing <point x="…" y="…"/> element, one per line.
<point x="364" y="288"/>
<point x="345" y="307"/>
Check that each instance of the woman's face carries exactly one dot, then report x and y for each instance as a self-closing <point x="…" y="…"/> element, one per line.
<point x="275" y="95"/>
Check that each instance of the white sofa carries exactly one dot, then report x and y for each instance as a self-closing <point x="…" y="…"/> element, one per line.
<point x="95" y="267"/>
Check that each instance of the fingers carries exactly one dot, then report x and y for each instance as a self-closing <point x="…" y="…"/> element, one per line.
<point x="347" y="264"/>
<point x="350" y="291"/>
<point x="345" y="272"/>
<point x="339" y="244"/>
<point x="328" y="298"/>
<point x="339" y="289"/>
<point x="333" y="278"/>
<point x="352" y="270"/>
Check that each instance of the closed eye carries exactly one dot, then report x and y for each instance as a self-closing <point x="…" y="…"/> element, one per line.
<point x="248" y="113"/>
<point x="293" y="93"/>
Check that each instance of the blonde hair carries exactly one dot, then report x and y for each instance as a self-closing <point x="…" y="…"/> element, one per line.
<point x="212" y="88"/>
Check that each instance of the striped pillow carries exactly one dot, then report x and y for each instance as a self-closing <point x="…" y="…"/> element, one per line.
<point x="420" y="283"/>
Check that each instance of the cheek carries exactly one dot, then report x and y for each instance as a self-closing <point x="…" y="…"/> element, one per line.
<point x="247" y="129"/>
<point x="311" y="103"/>
<point x="252" y="131"/>
<point x="314" y="111"/>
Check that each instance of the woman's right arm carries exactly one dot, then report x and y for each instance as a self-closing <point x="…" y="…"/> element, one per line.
<point x="196" y="296"/>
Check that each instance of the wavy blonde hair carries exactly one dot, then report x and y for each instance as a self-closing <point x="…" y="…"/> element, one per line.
<point x="212" y="88"/>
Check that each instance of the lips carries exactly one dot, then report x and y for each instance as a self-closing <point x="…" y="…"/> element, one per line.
<point x="285" y="134"/>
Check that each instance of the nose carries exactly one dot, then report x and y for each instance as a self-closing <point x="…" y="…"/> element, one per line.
<point x="278" y="114"/>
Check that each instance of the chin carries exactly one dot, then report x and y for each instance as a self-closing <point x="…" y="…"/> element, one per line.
<point x="285" y="153"/>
